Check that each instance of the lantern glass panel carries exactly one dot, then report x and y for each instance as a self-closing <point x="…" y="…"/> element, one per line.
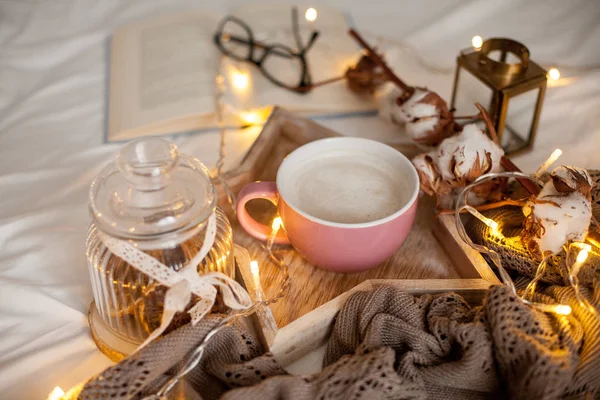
<point x="469" y="91"/>
<point x="519" y="118"/>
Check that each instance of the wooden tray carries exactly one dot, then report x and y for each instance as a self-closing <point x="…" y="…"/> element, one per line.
<point x="432" y="260"/>
<point x="305" y="339"/>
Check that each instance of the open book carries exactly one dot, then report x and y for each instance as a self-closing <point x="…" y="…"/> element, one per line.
<point x="162" y="72"/>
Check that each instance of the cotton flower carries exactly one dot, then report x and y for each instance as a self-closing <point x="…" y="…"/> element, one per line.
<point x="572" y="179"/>
<point x="458" y="161"/>
<point x="468" y="155"/>
<point x="424" y="113"/>
<point x="429" y="177"/>
<point x="386" y="99"/>
<point x="560" y="213"/>
<point x="365" y="76"/>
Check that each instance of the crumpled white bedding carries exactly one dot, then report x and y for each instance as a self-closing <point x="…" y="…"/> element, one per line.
<point x="52" y="91"/>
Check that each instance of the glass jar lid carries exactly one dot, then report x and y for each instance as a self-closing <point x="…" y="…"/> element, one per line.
<point x="151" y="189"/>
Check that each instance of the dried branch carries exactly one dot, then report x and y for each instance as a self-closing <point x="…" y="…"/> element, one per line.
<point x="488" y="122"/>
<point x="375" y="57"/>
<point x="530" y="186"/>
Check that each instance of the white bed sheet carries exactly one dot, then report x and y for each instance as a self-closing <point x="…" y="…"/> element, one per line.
<point x="52" y="83"/>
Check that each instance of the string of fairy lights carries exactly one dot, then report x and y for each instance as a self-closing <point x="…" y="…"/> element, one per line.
<point x="573" y="266"/>
<point x="194" y="358"/>
<point x="526" y="297"/>
<point x="240" y="81"/>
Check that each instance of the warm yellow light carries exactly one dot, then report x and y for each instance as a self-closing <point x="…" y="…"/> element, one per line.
<point x="554" y="74"/>
<point x="254" y="267"/>
<point x="496" y="230"/>
<point x="489" y="222"/>
<point x="477" y="41"/>
<point x="240" y="80"/>
<point x="492" y="224"/>
<point x="277" y="222"/>
<point x="583" y="253"/>
<point x="256" y="278"/>
<point x="250" y="118"/>
<point x="551" y="160"/>
<point x="562" y="309"/>
<point x="56" y="393"/>
<point x="311" y="14"/>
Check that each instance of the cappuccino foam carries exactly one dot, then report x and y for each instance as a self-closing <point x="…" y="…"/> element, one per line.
<point x="347" y="189"/>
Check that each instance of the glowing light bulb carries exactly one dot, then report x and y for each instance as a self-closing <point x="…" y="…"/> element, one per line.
<point x="496" y="230"/>
<point x="492" y="224"/>
<point x="240" y="80"/>
<point x="489" y="222"/>
<point x="554" y="74"/>
<point x="583" y="254"/>
<point x="551" y="160"/>
<point x="254" y="267"/>
<point x="250" y="118"/>
<point x="256" y="277"/>
<point x="477" y="42"/>
<point x="311" y="14"/>
<point x="275" y="226"/>
<point x="562" y="309"/>
<point x="56" y="393"/>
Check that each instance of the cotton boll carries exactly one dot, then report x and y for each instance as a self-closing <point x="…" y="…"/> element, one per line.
<point x="365" y="76"/>
<point x="556" y="217"/>
<point x="414" y="108"/>
<point x="427" y="118"/>
<point x="468" y="155"/>
<point x="569" y="179"/>
<point x="422" y="128"/>
<point x="424" y="112"/>
<point x="429" y="177"/>
<point x="458" y="161"/>
<point x="425" y="167"/>
<point x="386" y="99"/>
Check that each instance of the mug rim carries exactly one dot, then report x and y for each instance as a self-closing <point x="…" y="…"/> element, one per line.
<point x="322" y="142"/>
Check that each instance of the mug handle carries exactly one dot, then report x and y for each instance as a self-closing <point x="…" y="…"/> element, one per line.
<point x="258" y="190"/>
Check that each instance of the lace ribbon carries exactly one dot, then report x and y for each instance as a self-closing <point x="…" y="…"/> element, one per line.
<point x="183" y="283"/>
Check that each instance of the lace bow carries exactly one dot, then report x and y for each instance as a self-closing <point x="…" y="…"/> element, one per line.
<point x="183" y="283"/>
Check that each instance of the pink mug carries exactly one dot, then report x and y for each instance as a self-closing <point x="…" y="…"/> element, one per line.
<point x="336" y="246"/>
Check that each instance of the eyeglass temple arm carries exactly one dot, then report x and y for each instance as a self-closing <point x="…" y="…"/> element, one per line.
<point x="296" y="32"/>
<point x="312" y="40"/>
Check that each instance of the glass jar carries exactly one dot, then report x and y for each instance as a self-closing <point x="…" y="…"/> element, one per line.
<point x="159" y="201"/>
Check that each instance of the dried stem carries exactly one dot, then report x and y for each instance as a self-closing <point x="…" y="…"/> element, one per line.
<point x="490" y="206"/>
<point x="488" y="121"/>
<point x="330" y="80"/>
<point x="530" y="186"/>
<point x="323" y="83"/>
<point x="375" y="57"/>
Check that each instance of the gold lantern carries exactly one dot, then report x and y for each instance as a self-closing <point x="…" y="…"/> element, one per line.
<point x="516" y="87"/>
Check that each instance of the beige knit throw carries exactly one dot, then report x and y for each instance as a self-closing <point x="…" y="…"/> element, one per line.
<point x="387" y="344"/>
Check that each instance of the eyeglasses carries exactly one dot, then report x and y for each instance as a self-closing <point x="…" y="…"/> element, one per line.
<point x="278" y="63"/>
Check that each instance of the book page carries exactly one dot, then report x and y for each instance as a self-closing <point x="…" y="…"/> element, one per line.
<point x="162" y="70"/>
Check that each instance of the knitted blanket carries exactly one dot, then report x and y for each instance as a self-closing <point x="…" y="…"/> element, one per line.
<point x="387" y="344"/>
